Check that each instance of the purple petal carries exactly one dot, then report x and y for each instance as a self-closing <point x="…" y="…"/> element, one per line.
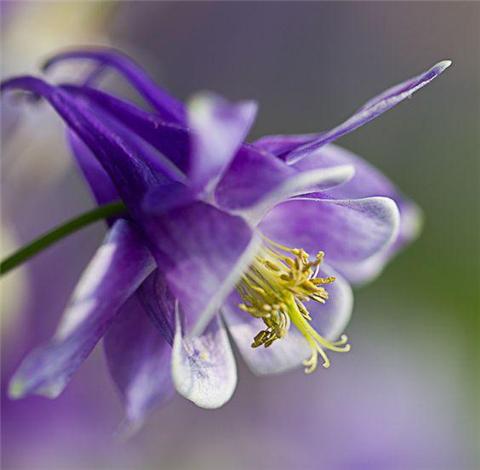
<point x="282" y="144"/>
<point x="100" y="183"/>
<point x="300" y="183"/>
<point x="367" y="182"/>
<point x="165" y="104"/>
<point x="138" y="358"/>
<point x="117" y="269"/>
<point x="329" y="319"/>
<point x="370" y="110"/>
<point x="167" y="197"/>
<point x="252" y="174"/>
<point x="172" y="140"/>
<point x="159" y="304"/>
<point x="256" y="180"/>
<point x="203" y="367"/>
<point x="202" y="252"/>
<point x="219" y="128"/>
<point x="348" y="231"/>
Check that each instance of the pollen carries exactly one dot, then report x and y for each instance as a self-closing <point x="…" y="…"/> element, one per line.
<point x="275" y="289"/>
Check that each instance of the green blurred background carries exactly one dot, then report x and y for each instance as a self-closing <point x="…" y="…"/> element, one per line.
<point x="407" y="396"/>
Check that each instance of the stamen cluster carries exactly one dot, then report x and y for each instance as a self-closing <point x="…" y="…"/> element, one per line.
<point x="276" y="287"/>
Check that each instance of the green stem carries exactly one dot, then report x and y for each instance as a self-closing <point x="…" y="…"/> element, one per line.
<point x="67" y="228"/>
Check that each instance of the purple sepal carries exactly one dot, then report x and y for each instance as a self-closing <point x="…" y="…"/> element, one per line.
<point x="118" y="268"/>
<point x="294" y="148"/>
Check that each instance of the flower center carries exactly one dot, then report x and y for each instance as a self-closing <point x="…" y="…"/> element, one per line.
<point x="276" y="287"/>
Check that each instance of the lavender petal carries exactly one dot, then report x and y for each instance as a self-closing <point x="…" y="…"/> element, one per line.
<point x="349" y="231"/>
<point x="218" y="130"/>
<point x="115" y="272"/>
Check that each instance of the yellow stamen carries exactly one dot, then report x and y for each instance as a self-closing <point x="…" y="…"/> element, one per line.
<point x="275" y="289"/>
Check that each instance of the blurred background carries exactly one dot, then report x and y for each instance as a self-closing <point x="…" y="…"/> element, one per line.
<point x="407" y="396"/>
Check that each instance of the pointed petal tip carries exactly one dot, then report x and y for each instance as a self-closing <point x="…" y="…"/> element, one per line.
<point x="442" y="65"/>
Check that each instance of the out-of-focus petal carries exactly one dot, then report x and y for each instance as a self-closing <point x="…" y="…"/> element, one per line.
<point x="367" y="181"/>
<point x="348" y="231"/>
<point x="218" y="130"/>
<point x="369" y="111"/>
<point x="138" y="358"/>
<point x="203" y="367"/>
<point x="165" y="104"/>
<point x="202" y="252"/>
<point x="118" y="268"/>
<point x="329" y="319"/>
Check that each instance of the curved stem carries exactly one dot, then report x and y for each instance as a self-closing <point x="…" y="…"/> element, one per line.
<point x="71" y="226"/>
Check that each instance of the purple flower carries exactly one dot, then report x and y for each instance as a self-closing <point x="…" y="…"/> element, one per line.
<point x="261" y="239"/>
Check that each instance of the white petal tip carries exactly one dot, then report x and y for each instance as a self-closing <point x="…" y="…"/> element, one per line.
<point x="210" y="402"/>
<point x="441" y="66"/>
<point x="203" y="368"/>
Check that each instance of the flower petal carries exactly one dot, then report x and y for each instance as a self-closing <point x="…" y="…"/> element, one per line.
<point x="329" y="319"/>
<point x="219" y="128"/>
<point x="203" y="367"/>
<point x="301" y="183"/>
<point x="369" y="111"/>
<point x="172" y="140"/>
<point x="138" y="358"/>
<point x="202" y="252"/>
<point x="252" y="174"/>
<point x="367" y="182"/>
<point x="256" y="181"/>
<point x="97" y="178"/>
<point x="165" y="104"/>
<point x="165" y="197"/>
<point x="282" y="144"/>
<point x="117" y="269"/>
<point x="159" y="304"/>
<point x="348" y="231"/>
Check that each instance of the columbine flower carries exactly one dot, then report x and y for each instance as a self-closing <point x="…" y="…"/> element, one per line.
<point x="262" y="238"/>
